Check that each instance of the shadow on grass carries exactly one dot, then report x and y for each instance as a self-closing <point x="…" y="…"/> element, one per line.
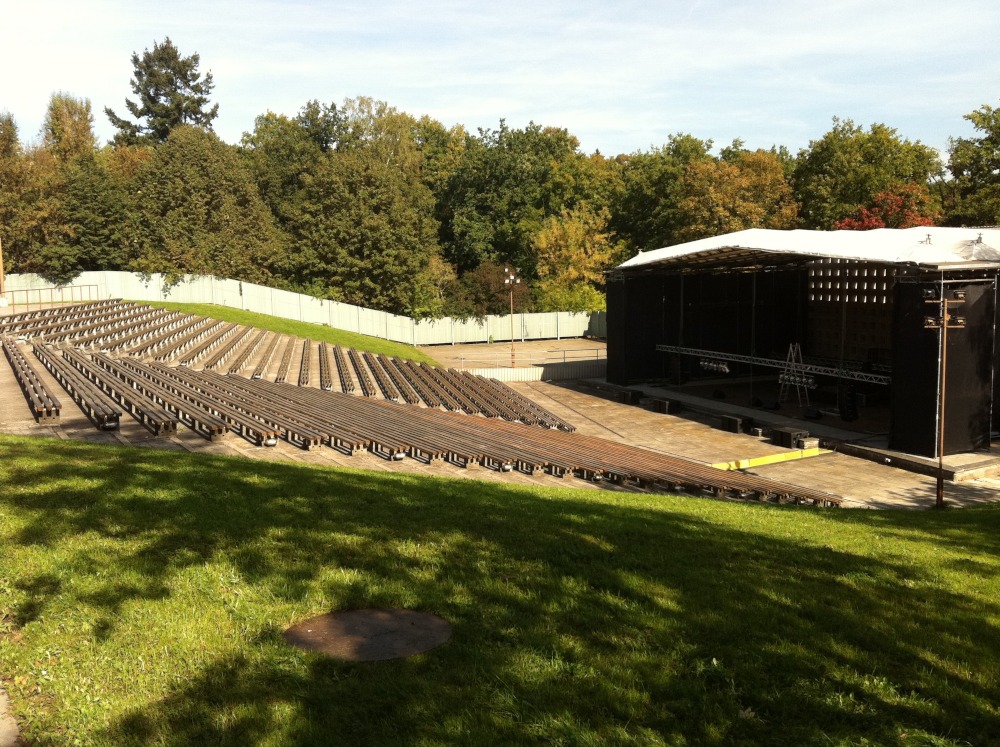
<point x="577" y="619"/>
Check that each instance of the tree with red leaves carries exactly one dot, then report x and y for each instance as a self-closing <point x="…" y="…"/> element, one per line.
<point x="903" y="206"/>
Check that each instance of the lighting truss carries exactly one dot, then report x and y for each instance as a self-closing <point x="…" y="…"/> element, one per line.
<point x="799" y="368"/>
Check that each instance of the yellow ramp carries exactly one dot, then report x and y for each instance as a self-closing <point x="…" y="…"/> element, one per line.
<point x="785" y="456"/>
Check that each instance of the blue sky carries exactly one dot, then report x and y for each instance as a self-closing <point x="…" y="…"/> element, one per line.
<point x="620" y="76"/>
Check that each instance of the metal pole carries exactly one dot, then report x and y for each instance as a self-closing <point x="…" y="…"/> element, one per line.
<point x="510" y="278"/>
<point x="943" y="322"/>
<point x="512" y="362"/>
<point x="945" y="318"/>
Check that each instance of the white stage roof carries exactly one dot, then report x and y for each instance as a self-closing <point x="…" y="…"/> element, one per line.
<point x="924" y="246"/>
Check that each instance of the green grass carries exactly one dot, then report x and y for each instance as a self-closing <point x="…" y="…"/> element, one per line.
<point x="315" y="332"/>
<point x="143" y="594"/>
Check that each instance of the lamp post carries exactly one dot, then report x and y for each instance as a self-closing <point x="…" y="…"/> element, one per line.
<point x="510" y="278"/>
<point x="945" y="321"/>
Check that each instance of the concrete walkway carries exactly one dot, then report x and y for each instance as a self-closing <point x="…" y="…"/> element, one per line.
<point x="529" y="353"/>
<point x="9" y="735"/>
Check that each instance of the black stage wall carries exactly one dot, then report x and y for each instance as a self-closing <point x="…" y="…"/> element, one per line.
<point x="637" y="307"/>
<point x="744" y="313"/>
<point x="916" y="368"/>
<point x="996" y="363"/>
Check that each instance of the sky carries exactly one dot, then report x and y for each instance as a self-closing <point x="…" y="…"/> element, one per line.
<point x="620" y="76"/>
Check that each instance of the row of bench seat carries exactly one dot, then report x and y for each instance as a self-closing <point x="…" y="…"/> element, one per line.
<point x="224" y="351"/>
<point x="135" y="402"/>
<point x="45" y="406"/>
<point x="393" y="430"/>
<point x="121" y="331"/>
<point x="98" y="406"/>
<point x="81" y="324"/>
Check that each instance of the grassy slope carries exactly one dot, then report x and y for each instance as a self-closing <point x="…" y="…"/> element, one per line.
<point x="299" y="329"/>
<point x="143" y="594"/>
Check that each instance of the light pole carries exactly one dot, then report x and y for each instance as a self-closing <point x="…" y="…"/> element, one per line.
<point x="510" y="278"/>
<point x="945" y="321"/>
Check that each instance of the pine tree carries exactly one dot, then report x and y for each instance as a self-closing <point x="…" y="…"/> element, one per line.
<point x="171" y="92"/>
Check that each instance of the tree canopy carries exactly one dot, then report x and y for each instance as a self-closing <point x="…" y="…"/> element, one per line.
<point x="362" y="202"/>
<point x="974" y="164"/>
<point x="199" y="211"/>
<point x="843" y="171"/>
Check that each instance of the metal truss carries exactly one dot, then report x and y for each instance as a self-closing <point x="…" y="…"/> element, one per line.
<point x="802" y="368"/>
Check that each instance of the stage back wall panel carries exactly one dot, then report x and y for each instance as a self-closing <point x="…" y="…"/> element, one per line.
<point x="916" y="369"/>
<point x="967" y="418"/>
<point x="616" y="324"/>
<point x="637" y="308"/>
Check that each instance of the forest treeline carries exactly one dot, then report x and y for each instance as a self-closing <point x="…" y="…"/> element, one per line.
<point x="365" y="204"/>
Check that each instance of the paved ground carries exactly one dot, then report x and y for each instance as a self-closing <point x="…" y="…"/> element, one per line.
<point x="8" y="727"/>
<point x="531" y="352"/>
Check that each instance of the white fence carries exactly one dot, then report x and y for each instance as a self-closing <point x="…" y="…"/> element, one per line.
<point x="239" y="295"/>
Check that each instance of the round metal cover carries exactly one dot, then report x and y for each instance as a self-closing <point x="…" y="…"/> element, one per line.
<point x="370" y="635"/>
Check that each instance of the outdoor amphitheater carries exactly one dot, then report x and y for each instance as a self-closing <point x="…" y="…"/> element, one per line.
<point x="126" y="372"/>
<point x="169" y="370"/>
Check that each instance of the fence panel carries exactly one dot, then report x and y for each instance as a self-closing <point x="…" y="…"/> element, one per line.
<point x="343" y="316"/>
<point x="399" y="328"/>
<point x="370" y="322"/>
<point x="469" y="330"/>
<point x="500" y="328"/>
<point x="597" y="325"/>
<point x="313" y="310"/>
<point x="433" y="331"/>
<point x="574" y="324"/>
<point x="286" y="304"/>
<point x="229" y="293"/>
<point x="257" y="298"/>
<point x="542" y="326"/>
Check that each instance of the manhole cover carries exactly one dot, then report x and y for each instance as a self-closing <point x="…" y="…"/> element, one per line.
<point x="370" y="635"/>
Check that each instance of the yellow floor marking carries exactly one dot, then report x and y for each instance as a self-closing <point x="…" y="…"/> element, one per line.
<point x="785" y="456"/>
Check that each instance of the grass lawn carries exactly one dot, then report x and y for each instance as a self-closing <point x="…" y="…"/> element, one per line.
<point x="315" y="332"/>
<point x="143" y="594"/>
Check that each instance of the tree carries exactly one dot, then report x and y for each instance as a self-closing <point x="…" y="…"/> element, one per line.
<point x="574" y="249"/>
<point x="171" y="92"/>
<point x="32" y="216"/>
<point x="98" y="209"/>
<point x="843" y="171"/>
<point x="502" y="190"/>
<point x="14" y="174"/>
<point x="647" y="210"/>
<point x="743" y="189"/>
<point x="67" y="131"/>
<point x="366" y="235"/>
<point x="199" y="211"/>
<point x="974" y="164"/>
<point x="282" y="154"/>
<point x="906" y="206"/>
<point x="486" y="292"/>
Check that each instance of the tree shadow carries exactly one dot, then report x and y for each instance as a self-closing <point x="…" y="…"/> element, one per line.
<point x="574" y="621"/>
